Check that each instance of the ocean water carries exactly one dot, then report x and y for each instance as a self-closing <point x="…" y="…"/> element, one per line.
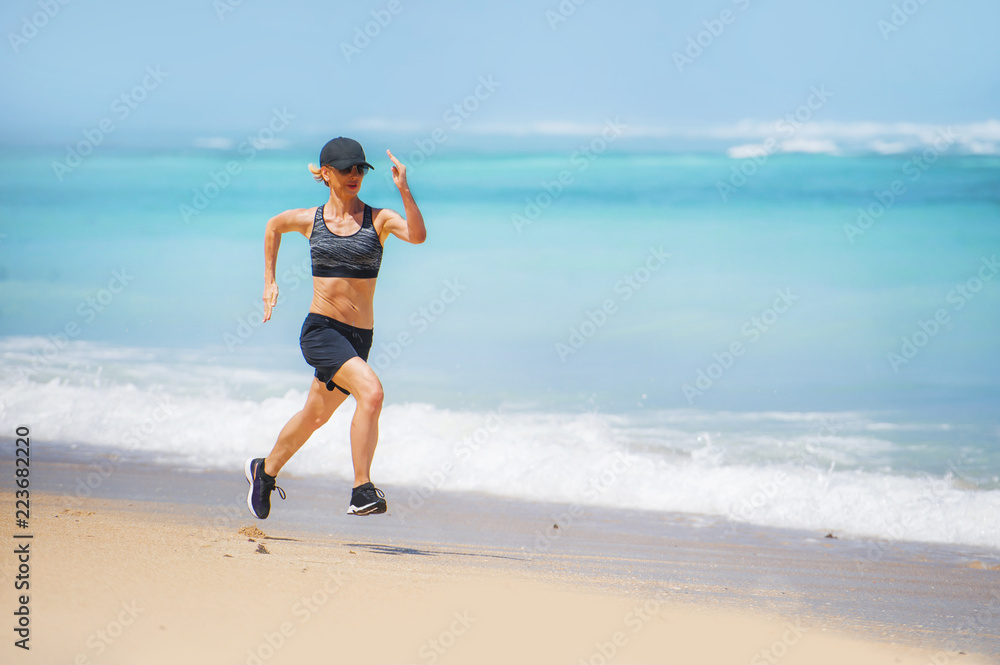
<point x="810" y="342"/>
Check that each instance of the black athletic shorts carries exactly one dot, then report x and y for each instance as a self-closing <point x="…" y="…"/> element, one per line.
<point x="328" y="343"/>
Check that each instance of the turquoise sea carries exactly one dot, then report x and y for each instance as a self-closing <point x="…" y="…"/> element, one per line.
<point x="807" y="340"/>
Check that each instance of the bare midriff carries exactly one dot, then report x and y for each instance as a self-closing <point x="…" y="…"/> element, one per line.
<point x="346" y="299"/>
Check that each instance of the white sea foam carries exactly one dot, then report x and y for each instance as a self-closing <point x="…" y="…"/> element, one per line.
<point x="747" y="150"/>
<point x="838" y="138"/>
<point x="881" y="137"/>
<point x="810" y="146"/>
<point x="818" y="471"/>
<point x="214" y="143"/>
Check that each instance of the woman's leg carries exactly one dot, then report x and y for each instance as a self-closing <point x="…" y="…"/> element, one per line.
<point x="358" y="377"/>
<point x="320" y="405"/>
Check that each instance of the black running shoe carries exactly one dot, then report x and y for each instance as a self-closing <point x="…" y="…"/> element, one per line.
<point x="261" y="486"/>
<point x="366" y="500"/>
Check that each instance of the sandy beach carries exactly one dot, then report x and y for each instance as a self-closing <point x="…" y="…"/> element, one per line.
<point x="159" y="564"/>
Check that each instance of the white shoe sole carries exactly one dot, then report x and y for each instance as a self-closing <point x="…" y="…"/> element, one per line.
<point x="368" y="510"/>
<point x="249" y="475"/>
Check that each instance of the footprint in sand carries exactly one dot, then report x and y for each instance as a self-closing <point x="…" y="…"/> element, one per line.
<point x="252" y="532"/>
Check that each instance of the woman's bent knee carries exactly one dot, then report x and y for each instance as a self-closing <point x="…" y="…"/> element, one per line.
<point x="370" y="396"/>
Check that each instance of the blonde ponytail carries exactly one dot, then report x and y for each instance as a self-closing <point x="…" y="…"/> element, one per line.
<point x="317" y="174"/>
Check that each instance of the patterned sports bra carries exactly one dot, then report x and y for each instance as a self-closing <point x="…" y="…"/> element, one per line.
<point x="357" y="255"/>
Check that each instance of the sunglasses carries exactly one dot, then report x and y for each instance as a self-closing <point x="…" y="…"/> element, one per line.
<point x="362" y="169"/>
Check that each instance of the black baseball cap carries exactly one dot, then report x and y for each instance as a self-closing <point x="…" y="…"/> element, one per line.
<point x="342" y="153"/>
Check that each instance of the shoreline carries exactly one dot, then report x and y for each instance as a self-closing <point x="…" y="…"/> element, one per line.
<point x="915" y="597"/>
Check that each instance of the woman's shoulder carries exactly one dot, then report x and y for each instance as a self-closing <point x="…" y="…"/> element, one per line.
<point x="381" y="217"/>
<point x="299" y="213"/>
<point x="296" y="219"/>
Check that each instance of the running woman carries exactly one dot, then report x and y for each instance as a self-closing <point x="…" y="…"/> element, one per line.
<point x="346" y="237"/>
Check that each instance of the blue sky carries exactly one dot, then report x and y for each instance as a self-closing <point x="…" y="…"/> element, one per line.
<point x="227" y="66"/>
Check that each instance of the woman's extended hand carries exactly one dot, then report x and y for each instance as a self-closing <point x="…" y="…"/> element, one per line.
<point x="398" y="172"/>
<point x="270" y="299"/>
